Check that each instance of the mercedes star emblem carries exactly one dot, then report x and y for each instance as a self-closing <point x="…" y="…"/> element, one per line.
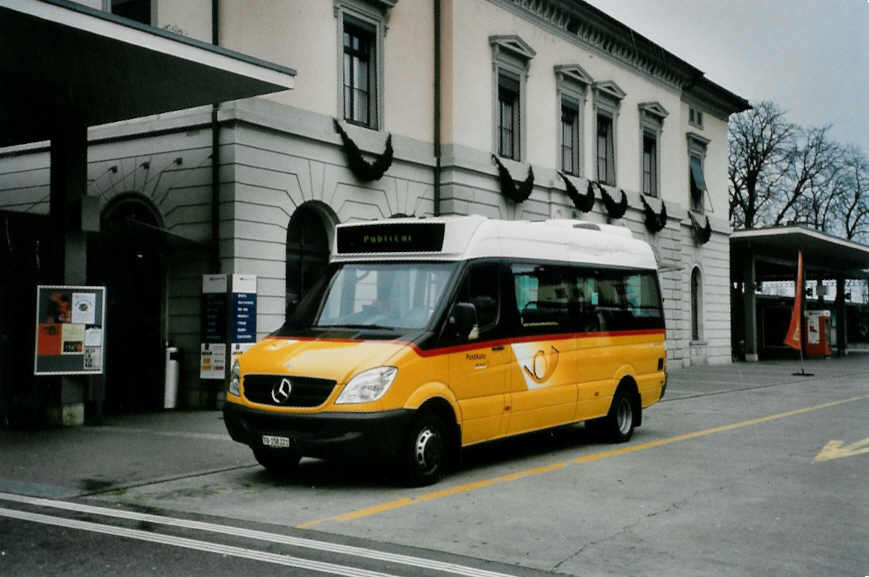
<point x="281" y="392"/>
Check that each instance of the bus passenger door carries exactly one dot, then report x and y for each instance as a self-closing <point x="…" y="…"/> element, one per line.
<point x="479" y="364"/>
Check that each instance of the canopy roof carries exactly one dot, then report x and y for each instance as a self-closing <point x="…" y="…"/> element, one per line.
<point x="775" y="252"/>
<point x="61" y="60"/>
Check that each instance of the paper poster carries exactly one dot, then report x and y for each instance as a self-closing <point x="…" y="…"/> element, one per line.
<point x="58" y="308"/>
<point x="814" y="330"/>
<point x="48" y="339"/>
<point x="72" y="339"/>
<point x="93" y="358"/>
<point x="212" y="361"/>
<point x="93" y="337"/>
<point x="84" y="308"/>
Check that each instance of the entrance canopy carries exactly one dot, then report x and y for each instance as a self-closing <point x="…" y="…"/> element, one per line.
<point x="771" y="255"/>
<point x="775" y="253"/>
<point x="61" y="60"/>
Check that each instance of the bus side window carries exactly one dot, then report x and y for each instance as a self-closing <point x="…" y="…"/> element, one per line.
<point x="584" y="311"/>
<point x="480" y="288"/>
<point x="547" y="297"/>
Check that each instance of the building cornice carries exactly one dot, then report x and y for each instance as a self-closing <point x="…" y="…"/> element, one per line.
<point x="590" y="28"/>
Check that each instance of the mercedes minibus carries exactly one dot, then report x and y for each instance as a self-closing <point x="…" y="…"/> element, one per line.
<point x="425" y="336"/>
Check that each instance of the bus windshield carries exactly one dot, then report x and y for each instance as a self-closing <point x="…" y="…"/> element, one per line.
<point x="384" y="295"/>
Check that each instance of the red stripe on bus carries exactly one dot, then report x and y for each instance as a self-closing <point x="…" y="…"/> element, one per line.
<point x="531" y="338"/>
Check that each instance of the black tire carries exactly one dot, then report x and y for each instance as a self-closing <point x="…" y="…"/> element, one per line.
<point x="425" y="452"/>
<point x="278" y="462"/>
<point x="618" y="425"/>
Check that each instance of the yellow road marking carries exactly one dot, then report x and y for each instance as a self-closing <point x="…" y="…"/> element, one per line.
<point x="838" y="449"/>
<point x="405" y="501"/>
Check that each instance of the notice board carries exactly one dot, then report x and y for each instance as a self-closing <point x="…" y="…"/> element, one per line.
<point x="243" y="315"/>
<point x="70" y="330"/>
<point x="212" y="348"/>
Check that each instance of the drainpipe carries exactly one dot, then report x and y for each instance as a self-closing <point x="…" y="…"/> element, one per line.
<point x="437" y="107"/>
<point x="215" y="154"/>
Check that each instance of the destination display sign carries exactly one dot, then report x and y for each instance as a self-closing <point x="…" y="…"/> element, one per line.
<point x="389" y="237"/>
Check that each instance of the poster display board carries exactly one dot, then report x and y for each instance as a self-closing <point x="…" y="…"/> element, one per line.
<point x="212" y="352"/>
<point x="242" y="314"/>
<point x="70" y="333"/>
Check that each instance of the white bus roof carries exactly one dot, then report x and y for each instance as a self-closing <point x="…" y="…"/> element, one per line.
<point x="454" y="238"/>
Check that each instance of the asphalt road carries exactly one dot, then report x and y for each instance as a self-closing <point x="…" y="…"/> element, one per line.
<point x="741" y="470"/>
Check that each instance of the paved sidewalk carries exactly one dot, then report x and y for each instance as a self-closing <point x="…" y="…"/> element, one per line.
<point x="136" y="449"/>
<point x="126" y="451"/>
<point x="704" y="380"/>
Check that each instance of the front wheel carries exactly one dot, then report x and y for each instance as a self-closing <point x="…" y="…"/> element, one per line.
<point x="425" y="452"/>
<point x="618" y="425"/>
<point x="278" y="462"/>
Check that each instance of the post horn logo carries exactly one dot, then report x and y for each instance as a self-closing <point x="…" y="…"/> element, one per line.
<point x="542" y="367"/>
<point x="281" y="392"/>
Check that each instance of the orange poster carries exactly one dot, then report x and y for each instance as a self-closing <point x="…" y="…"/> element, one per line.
<point x="48" y="340"/>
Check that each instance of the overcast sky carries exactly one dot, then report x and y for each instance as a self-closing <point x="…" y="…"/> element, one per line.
<point x="811" y="57"/>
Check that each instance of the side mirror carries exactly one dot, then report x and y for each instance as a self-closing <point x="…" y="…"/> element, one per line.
<point x="291" y="308"/>
<point x="463" y="319"/>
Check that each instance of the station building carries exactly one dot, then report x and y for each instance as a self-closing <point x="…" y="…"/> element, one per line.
<point x="512" y="109"/>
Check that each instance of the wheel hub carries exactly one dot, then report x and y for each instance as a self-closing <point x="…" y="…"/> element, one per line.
<point x="427" y="449"/>
<point x="624" y="416"/>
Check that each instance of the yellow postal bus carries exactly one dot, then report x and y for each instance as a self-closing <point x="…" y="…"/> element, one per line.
<point x="428" y="335"/>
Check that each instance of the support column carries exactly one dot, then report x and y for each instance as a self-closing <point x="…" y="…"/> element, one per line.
<point x="64" y="400"/>
<point x="841" y="318"/>
<point x="749" y="305"/>
<point x="68" y="189"/>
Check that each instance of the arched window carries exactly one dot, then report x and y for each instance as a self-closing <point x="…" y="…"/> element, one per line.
<point x="696" y="304"/>
<point x="307" y="249"/>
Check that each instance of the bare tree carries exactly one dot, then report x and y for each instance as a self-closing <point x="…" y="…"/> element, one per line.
<point x="761" y="147"/>
<point x="852" y="206"/>
<point x="809" y="190"/>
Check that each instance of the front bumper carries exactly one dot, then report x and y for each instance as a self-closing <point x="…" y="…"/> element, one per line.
<point x="326" y="435"/>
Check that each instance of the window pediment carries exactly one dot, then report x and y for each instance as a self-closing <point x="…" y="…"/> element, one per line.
<point x="609" y="89"/>
<point x="653" y="109"/>
<point x="574" y="73"/>
<point x="696" y="143"/>
<point x="514" y="45"/>
<point x="378" y="9"/>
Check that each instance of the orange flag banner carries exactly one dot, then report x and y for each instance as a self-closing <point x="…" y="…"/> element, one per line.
<point x="793" y="338"/>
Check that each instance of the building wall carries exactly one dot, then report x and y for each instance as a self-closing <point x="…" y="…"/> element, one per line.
<point x="281" y="151"/>
<point x="470" y="124"/>
<point x="192" y="18"/>
<point x="179" y="189"/>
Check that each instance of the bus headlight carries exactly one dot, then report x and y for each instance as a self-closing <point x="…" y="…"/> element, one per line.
<point x="367" y="386"/>
<point x="235" y="380"/>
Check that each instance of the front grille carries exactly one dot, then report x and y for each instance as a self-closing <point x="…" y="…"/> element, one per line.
<point x="306" y="391"/>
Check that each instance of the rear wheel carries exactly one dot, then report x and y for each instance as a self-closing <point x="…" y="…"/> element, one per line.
<point x="618" y="425"/>
<point x="425" y="451"/>
<point x="278" y="462"/>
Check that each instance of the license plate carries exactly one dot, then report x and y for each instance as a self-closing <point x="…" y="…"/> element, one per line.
<point x="277" y="442"/>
